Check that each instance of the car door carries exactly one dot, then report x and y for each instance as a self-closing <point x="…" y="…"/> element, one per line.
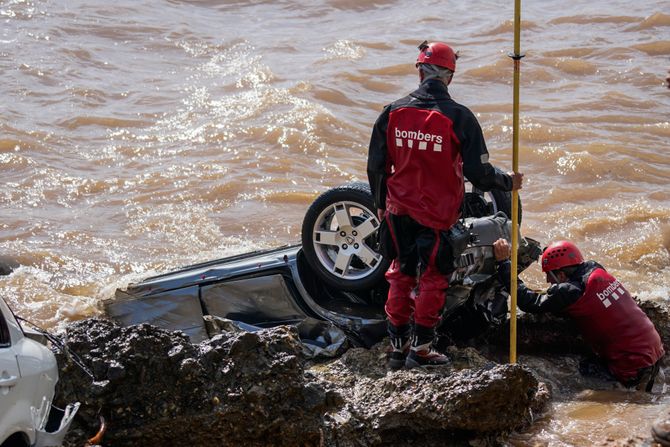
<point x="13" y="414"/>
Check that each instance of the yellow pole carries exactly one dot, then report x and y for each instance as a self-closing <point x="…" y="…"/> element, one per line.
<point x="515" y="167"/>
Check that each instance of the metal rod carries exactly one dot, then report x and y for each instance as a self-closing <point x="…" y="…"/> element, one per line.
<point x="515" y="167"/>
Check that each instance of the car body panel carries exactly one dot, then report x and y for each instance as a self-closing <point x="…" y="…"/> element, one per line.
<point x="176" y="309"/>
<point x="254" y="300"/>
<point x="12" y="406"/>
<point x="52" y="423"/>
<point x="263" y="288"/>
<point x="28" y="376"/>
<point x="16" y="392"/>
<point x="214" y="271"/>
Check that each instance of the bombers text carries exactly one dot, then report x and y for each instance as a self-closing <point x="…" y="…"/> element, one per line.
<point x="418" y="135"/>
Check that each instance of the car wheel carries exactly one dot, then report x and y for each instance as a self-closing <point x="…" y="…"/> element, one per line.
<point x="16" y="440"/>
<point x="339" y="238"/>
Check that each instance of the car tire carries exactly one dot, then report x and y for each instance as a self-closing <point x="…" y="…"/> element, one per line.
<point x="16" y="440"/>
<point x="339" y="238"/>
<point x="497" y="200"/>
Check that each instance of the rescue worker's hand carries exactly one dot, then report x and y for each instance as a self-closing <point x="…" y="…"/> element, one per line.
<point x="502" y="250"/>
<point x="517" y="179"/>
<point x="380" y="214"/>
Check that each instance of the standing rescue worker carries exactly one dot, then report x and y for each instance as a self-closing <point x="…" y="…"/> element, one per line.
<point x="609" y="319"/>
<point x="421" y="147"/>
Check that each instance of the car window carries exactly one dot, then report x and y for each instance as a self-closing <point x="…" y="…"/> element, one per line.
<point x="4" y="332"/>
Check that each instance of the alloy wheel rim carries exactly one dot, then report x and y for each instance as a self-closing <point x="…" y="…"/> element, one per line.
<point x="341" y="239"/>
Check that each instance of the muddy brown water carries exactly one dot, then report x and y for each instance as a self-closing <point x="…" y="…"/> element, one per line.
<point x="140" y="136"/>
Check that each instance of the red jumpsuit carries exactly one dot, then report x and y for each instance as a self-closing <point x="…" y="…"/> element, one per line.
<point x="421" y="147"/>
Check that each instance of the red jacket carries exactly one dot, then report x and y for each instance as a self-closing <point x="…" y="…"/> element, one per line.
<point x="615" y="327"/>
<point x="421" y="146"/>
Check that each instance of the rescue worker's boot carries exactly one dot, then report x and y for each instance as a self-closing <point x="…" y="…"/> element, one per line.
<point x="422" y="353"/>
<point x="400" y="341"/>
<point x="647" y="377"/>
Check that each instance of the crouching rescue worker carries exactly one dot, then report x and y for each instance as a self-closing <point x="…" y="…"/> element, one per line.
<point x="610" y="321"/>
<point x="421" y="146"/>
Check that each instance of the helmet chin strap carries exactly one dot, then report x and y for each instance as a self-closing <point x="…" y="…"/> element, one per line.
<point x="553" y="276"/>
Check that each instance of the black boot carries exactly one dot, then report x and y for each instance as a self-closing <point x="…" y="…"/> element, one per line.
<point x="422" y="352"/>
<point x="646" y="377"/>
<point x="400" y="338"/>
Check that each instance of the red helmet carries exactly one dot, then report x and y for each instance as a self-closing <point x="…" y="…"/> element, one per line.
<point x="437" y="53"/>
<point x="560" y="254"/>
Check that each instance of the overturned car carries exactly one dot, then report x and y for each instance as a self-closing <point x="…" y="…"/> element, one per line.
<point x="336" y="276"/>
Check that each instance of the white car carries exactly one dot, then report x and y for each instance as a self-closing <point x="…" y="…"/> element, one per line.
<point x="28" y="376"/>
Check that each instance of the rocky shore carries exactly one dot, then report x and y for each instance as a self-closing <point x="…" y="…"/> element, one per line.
<point x="239" y="388"/>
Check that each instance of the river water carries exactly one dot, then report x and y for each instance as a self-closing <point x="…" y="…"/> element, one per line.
<point x="138" y="136"/>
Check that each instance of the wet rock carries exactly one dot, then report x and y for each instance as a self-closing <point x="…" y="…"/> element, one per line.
<point x="7" y="265"/>
<point x="425" y="407"/>
<point x="659" y="435"/>
<point x="636" y="441"/>
<point x="659" y="314"/>
<point x="548" y="334"/>
<point x="239" y="388"/>
<point x="536" y="334"/>
<point x="158" y="387"/>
